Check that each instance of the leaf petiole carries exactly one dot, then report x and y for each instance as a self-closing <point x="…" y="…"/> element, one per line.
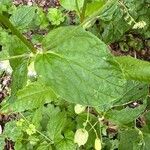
<point x="5" y="21"/>
<point x="17" y="56"/>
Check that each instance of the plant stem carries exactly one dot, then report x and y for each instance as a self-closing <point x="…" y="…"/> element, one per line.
<point x="82" y="15"/>
<point x="47" y="138"/>
<point x="17" y="56"/>
<point x="5" y="21"/>
<point x="88" y="115"/>
<point x="92" y="127"/>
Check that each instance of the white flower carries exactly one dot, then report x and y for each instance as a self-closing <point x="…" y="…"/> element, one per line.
<point x="139" y="25"/>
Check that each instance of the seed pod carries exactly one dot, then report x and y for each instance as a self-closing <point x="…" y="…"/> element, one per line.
<point x="98" y="144"/>
<point x="79" y="108"/>
<point x="81" y="137"/>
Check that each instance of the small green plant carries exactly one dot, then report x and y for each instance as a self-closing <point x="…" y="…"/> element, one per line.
<point x="68" y="91"/>
<point x="55" y="16"/>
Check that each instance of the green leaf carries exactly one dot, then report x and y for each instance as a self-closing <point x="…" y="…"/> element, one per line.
<point x="133" y="91"/>
<point x="44" y="146"/>
<point x="126" y="115"/>
<point x="19" y="145"/>
<point x="134" y="69"/>
<point x="71" y="5"/>
<point x="55" y="16"/>
<point x="108" y="10"/>
<point x="55" y="126"/>
<point x="114" y="29"/>
<point x="4" y="5"/>
<point x="129" y="140"/>
<point x="93" y="7"/>
<point x="19" y="76"/>
<point x="40" y="19"/>
<point x="3" y="54"/>
<point x="19" y="65"/>
<point x="32" y="96"/>
<point x="67" y="143"/>
<point x="36" y="116"/>
<point x="23" y="16"/>
<point x="11" y="131"/>
<point x="77" y="68"/>
<point x="47" y="112"/>
<point x="146" y="141"/>
<point x="2" y="142"/>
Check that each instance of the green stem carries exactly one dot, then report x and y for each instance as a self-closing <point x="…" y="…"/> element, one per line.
<point x="88" y="116"/>
<point x="92" y="127"/>
<point x="82" y="15"/>
<point x="5" y="21"/>
<point x="47" y="138"/>
<point x="17" y="56"/>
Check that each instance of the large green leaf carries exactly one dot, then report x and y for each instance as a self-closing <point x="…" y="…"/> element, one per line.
<point x="32" y="96"/>
<point x="23" y="16"/>
<point x="77" y="67"/>
<point x="134" y="69"/>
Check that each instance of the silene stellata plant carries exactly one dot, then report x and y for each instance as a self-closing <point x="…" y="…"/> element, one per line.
<point x="67" y="90"/>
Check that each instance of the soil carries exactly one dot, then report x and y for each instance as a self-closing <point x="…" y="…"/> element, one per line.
<point x="143" y="54"/>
